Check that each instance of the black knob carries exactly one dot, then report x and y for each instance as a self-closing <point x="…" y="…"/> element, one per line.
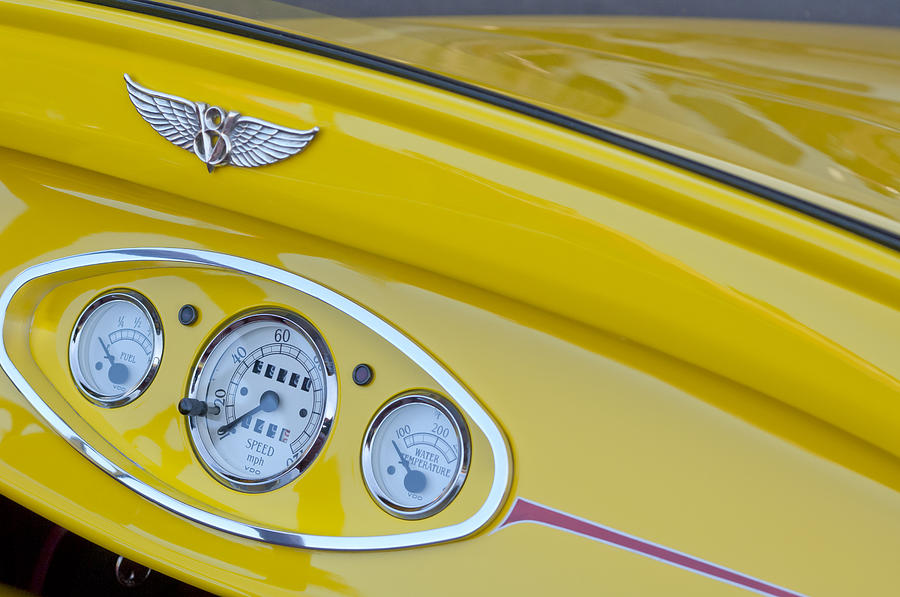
<point x="194" y="408"/>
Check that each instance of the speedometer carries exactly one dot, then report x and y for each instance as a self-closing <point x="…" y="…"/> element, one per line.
<point x="262" y="399"/>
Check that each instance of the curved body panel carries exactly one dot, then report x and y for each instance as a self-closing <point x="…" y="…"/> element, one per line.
<point x="699" y="388"/>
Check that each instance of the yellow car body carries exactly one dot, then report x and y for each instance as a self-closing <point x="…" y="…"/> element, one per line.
<point x="695" y="384"/>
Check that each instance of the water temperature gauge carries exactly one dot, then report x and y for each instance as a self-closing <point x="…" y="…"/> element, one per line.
<point x="416" y="455"/>
<point x="116" y="348"/>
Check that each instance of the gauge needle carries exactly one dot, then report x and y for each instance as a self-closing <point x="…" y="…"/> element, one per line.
<point x="118" y="372"/>
<point x="267" y="403"/>
<point x="414" y="481"/>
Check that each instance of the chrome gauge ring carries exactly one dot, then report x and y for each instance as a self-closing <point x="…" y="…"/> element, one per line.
<point x="268" y="390"/>
<point x="416" y="453"/>
<point x="116" y="348"/>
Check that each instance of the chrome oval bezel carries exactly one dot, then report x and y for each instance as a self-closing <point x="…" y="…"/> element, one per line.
<point x="149" y="311"/>
<point x="460" y="428"/>
<point x="152" y="489"/>
<point x="301" y="325"/>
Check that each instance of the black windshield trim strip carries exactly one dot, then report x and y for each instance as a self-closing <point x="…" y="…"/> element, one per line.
<point x="412" y="73"/>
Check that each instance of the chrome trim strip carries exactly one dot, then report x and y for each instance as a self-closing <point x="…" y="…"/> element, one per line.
<point x="497" y="440"/>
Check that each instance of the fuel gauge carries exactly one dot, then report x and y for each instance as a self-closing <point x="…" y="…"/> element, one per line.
<point x="116" y="348"/>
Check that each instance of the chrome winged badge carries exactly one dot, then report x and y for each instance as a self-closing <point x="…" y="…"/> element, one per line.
<point x="216" y="137"/>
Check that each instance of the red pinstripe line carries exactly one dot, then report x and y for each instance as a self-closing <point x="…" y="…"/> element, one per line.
<point x="527" y="511"/>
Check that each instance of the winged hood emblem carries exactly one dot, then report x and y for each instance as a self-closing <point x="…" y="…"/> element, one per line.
<point x="217" y="137"/>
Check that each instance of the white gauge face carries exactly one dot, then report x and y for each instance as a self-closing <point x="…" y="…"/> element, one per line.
<point x="116" y="348"/>
<point x="416" y="455"/>
<point x="269" y="386"/>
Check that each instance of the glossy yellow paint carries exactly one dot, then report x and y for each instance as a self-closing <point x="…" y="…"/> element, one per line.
<point x="808" y="108"/>
<point x="667" y="356"/>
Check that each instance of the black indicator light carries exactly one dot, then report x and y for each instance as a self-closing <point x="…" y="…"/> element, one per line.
<point x="188" y="315"/>
<point x="362" y="375"/>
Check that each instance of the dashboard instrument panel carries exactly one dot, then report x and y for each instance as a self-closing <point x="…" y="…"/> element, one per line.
<point x="239" y="427"/>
